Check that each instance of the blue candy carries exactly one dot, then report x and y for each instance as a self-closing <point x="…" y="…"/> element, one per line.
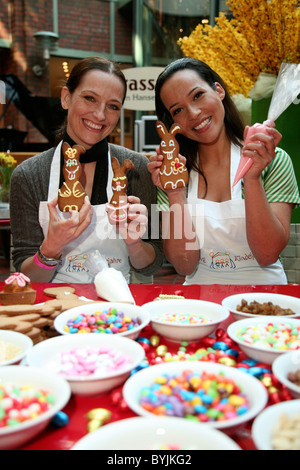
<point x="60" y="420"/>
<point x="220" y="345"/>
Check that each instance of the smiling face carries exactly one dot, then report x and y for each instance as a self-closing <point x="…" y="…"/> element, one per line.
<point x="94" y="107"/>
<point x="195" y="106"/>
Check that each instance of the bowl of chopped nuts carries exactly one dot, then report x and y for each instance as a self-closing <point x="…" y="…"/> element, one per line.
<point x="277" y="427"/>
<point x="260" y="304"/>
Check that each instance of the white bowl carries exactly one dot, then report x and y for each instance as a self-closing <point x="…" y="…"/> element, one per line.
<point x="132" y="311"/>
<point x="260" y="353"/>
<point x="156" y="434"/>
<point x="47" y="356"/>
<point x="254" y="390"/>
<point x="288" y="362"/>
<point x="176" y="331"/>
<point x="284" y="301"/>
<point x="15" y="436"/>
<point x="265" y="422"/>
<point x="22" y="342"/>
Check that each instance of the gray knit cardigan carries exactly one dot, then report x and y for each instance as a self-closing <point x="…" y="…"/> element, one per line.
<point x="29" y="186"/>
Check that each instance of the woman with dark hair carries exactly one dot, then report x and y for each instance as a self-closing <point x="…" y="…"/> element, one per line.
<point x="214" y="231"/>
<point x="49" y="245"/>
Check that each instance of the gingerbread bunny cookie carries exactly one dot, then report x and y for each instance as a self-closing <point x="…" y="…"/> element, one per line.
<point x="71" y="195"/>
<point x="117" y="208"/>
<point x="173" y="173"/>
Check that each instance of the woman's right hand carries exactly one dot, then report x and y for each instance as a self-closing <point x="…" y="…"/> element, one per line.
<point x="154" y="165"/>
<point x="61" y="232"/>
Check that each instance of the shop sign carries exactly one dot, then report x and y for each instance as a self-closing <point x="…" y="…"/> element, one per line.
<point x="140" y="88"/>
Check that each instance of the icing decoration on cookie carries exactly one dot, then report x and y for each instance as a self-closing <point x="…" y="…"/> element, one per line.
<point x="117" y="209"/>
<point x="173" y="173"/>
<point x="19" y="278"/>
<point x="71" y="195"/>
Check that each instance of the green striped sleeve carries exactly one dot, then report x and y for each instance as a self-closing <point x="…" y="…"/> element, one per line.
<point x="280" y="180"/>
<point x="162" y="201"/>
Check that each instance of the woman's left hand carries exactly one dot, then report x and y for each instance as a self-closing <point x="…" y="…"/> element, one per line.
<point x="134" y="229"/>
<point x="261" y="148"/>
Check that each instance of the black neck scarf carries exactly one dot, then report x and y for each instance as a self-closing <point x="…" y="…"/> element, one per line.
<point x="98" y="153"/>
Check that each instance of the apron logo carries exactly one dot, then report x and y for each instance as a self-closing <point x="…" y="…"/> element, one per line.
<point x="221" y="260"/>
<point x="76" y="264"/>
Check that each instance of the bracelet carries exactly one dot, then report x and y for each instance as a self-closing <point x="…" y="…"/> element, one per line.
<point x="41" y="265"/>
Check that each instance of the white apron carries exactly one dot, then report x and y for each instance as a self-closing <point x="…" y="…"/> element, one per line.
<point x="99" y="235"/>
<point x="226" y="257"/>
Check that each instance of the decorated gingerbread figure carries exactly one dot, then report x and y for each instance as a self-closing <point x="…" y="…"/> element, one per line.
<point x="173" y="173"/>
<point x="117" y="208"/>
<point x="71" y="195"/>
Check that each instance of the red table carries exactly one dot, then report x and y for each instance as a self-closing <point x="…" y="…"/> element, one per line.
<point x="64" y="438"/>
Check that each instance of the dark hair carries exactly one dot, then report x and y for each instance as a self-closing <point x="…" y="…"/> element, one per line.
<point x="233" y="122"/>
<point x="94" y="63"/>
<point x="84" y="66"/>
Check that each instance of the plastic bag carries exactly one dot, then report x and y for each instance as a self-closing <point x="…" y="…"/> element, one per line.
<point x="263" y="87"/>
<point x="110" y="284"/>
<point x="286" y="90"/>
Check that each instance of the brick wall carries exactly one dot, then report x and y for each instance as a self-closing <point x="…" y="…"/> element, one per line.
<point x="82" y="25"/>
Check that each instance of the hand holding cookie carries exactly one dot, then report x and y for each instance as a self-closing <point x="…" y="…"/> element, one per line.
<point x="63" y="231"/>
<point x="137" y="221"/>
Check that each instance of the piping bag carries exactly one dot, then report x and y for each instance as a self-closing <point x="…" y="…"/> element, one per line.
<point x="110" y="283"/>
<point x="286" y="90"/>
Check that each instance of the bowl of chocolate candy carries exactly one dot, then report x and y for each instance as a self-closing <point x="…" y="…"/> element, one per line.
<point x="287" y="370"/>
<point x="259" y="304"/>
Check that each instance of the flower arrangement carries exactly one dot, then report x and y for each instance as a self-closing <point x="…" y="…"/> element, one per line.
<point x="7" y="166"/>
<point x="261" y="35"/>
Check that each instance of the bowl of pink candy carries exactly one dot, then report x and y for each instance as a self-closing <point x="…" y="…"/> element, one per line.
<point x="92" y="364"/>
<point x="265" y="339"/>
<point x="29" y="400"/>
<point x="110" y="318"/>
<point x="180" y="320"/>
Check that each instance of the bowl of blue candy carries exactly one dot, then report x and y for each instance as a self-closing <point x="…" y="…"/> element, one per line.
<point x="213" y="394"/>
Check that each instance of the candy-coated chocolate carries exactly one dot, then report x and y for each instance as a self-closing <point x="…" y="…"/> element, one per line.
<point x="161" y="350"/>
<point x="154" y="340"/>
<point x="60" y="420"/>
<point x="101" y="414"/>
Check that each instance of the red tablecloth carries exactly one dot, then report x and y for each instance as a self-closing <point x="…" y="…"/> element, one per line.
<point x="64" y="438"/>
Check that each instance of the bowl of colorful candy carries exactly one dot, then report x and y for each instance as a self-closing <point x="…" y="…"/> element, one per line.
<point x="185" y="320"/>
<point x="278" y="427"/>
<point x="159" y="433"/>
<point x="252" y="304"/>
<point x="287" y="370"/>
<point x="13" y="347"/>
<point x="111" y="318"/>
<point x="264" y="339"/>
<point x="92" y="364"/>
<point x="39" y="395"/>
<point x="217" y="395"/>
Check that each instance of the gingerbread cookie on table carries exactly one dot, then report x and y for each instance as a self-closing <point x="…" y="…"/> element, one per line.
<point x="117" y="209"/>
<point x="71" y="195"/>
<point x="173" y="173"/>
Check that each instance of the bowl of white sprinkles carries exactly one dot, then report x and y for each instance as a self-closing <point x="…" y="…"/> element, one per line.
<point x="185" y="320"/>
<point x="264" y="339"/>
